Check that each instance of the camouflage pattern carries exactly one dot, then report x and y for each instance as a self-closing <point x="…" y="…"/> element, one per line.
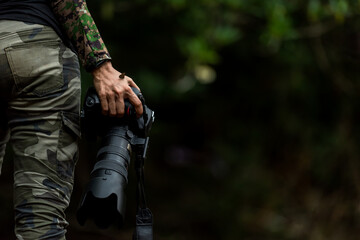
<point x="39" y="112"/>
<point x="80" y="27"/>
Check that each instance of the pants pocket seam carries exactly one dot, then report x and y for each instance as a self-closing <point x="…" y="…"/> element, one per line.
<point x="68" y="127"/>
<point x="9" y="51"/>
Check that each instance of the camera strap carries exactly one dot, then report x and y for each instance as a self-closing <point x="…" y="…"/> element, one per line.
<point x="144" y="217"/>
<point x="144" y="225"/>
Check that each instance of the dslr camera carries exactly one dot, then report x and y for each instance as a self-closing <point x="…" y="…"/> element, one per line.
<point x="121" y="138"/>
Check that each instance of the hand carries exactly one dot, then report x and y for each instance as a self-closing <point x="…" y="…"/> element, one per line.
<point x="112" y="91"/>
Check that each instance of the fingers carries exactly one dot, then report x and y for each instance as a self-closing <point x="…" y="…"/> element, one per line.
<point x="116" y="104"/>
<point x="112" y="102"/>
<point x="104" y="103"/>
<point x="135" y="101"/>
<point x="120" y="106"/>
<point x="112" y="105"/>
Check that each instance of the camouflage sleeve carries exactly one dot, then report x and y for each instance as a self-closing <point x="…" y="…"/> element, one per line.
<point x="80" y="27"/>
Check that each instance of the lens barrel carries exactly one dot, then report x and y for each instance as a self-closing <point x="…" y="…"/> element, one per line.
<point x="104" y="198"/>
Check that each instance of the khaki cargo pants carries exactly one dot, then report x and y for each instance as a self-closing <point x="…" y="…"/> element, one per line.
<point x="39" y="117"/>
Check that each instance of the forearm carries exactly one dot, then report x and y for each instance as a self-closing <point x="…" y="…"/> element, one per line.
<point x="80" y="27"/>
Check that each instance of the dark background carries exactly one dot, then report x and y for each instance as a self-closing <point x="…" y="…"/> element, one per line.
<point x="257" y="109"/>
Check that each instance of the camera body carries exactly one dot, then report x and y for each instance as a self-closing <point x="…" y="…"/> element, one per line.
<point x="104" y="197"/>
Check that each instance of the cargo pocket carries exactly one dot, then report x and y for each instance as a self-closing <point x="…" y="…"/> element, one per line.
<point x="67" y="150"/>
<point x="36" y="67"/>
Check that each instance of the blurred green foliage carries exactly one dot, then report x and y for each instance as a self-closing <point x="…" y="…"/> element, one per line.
<point x="257" y="110"/>
<point x="257" y="104"/>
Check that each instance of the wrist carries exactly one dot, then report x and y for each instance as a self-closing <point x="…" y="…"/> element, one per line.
<point x="103" y="67"/>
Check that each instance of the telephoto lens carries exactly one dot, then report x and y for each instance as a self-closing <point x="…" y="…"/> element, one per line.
<point x="104" y="200"/>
